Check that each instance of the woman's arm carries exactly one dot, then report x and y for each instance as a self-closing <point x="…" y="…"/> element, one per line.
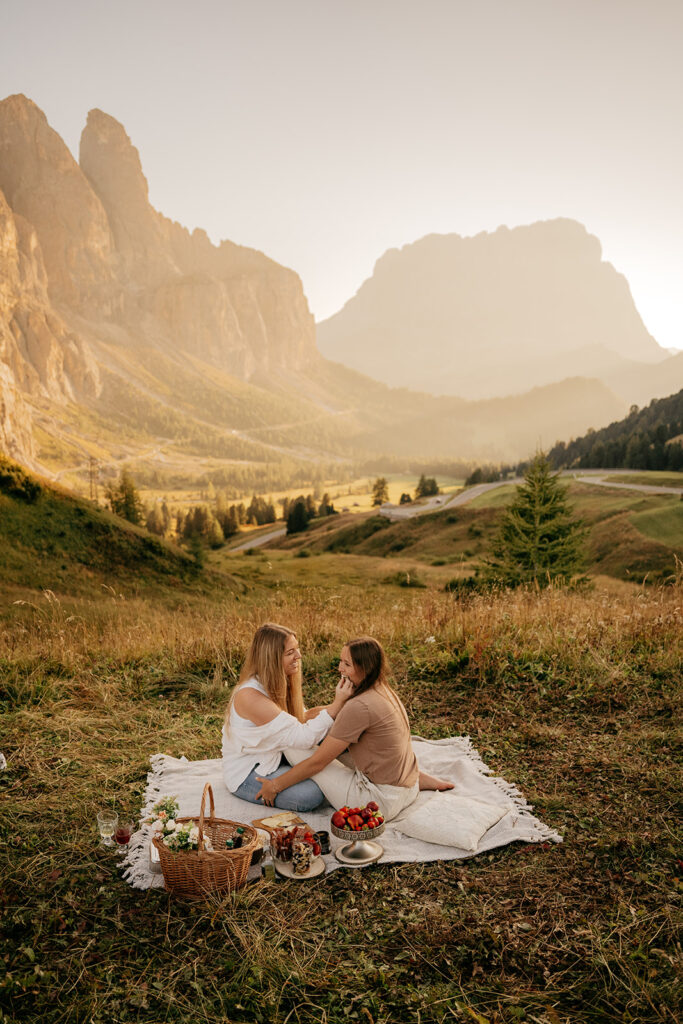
<point x="260" y="710"/>
<point x="321" y="757"/>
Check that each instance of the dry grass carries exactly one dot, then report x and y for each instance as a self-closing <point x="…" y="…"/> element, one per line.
<point x="573" y="696"/>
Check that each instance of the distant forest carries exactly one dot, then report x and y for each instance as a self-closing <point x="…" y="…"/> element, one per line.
<point x="644" y="440"/>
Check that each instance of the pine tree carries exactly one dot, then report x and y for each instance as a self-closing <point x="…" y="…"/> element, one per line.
<point x="215" y="535"/>
<point x="426" y="487"/>
<point x="380" y="491"/>
<point x="539" y="540"/>
<point x="155" y="521"/>
<point x="297" y="518"/>
<point x="124" y="499"/>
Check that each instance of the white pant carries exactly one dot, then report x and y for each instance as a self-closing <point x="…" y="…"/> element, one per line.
<point x="349" y="787"/>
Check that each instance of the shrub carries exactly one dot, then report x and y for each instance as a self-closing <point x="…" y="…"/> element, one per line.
<point x="406" y="578"/>
<point x="16" y="482"/>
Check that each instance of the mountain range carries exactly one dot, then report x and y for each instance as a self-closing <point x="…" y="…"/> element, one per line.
<point x="499" y="313"/>
<point x="126" y="338"/>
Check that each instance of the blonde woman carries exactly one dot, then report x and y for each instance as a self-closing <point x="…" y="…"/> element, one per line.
<point x="266" y="715"/>
<point x="367" y="754"/>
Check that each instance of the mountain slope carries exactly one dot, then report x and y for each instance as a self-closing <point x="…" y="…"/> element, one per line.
<point x="650" y="438"/>
<point x="50" y="540"/>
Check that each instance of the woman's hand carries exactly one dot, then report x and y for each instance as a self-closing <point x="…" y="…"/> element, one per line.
<point x="344" y="689"/>
<point x="267" y="792"/>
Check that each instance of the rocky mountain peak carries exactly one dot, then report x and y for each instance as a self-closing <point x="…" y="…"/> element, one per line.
<point x="110" y="160"/>
<point x="491" y="314"/>
<point x="43" y="183"/>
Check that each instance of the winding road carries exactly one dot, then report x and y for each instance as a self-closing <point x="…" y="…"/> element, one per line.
<point x="443" y="502"/>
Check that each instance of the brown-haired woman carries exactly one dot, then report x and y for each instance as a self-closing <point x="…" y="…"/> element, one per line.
<point x="367" y="754"/>
<point x="266" y="714"/>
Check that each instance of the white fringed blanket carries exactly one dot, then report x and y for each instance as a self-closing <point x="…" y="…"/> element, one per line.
<point x="454" y="759"/>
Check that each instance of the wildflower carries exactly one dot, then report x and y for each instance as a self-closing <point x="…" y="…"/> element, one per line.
<point x="430" y="640"/>
<point x="157" y="826"/>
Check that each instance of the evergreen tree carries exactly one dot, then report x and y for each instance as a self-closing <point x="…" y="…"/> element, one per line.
<point x="165" y="516"/>
<point x="539" y="539"/>
<point x="216" y="536"/>
<point x="124" y="499"/>
<point x="155" y="521"/>
<point x="326" y="507"/>
<point x="405" y="499"/>
<point x="297" y="518"/>
<point x="380" y="491"/>
<point x="426" y="487"/>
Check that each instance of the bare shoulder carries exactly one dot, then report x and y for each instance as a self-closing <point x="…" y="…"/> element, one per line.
<point x="255" y="706"/>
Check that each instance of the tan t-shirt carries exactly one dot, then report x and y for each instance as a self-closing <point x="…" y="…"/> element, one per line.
<point x="376" y="728"/>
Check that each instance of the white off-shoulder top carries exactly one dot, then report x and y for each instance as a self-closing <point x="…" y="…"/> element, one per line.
<point x="247" y="746"/>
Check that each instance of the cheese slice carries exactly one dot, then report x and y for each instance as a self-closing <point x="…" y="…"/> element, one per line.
<point x="281" y="819"/>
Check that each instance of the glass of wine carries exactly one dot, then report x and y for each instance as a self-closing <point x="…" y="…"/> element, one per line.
<point x="124" y="831"/>
<point x="107" y="822"/>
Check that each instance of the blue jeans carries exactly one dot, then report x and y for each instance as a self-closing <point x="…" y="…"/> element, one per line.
<point x="302" y="796"/>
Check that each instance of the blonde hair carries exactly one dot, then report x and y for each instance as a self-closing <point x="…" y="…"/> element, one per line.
<point x="265" y="662"/>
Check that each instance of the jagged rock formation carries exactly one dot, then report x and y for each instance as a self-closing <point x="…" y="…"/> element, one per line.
<point x="491" y="315"/>
<point x="84" y="258"/>
<point x="123" y="334"/>
<point x="229" y="305"/>
<point x="39" y="356"/>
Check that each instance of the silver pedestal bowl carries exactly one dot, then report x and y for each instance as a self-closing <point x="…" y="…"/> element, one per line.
<point x="361" y="849"/>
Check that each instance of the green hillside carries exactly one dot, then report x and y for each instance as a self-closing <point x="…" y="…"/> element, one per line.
<point x="632" y="536"/>
<point x="648" y="438"/>
<point x="50" y="540"/>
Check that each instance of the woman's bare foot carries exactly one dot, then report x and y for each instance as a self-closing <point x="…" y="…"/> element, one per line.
<point x="431" y="782"/>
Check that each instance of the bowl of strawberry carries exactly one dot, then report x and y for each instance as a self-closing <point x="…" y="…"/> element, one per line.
<point x="360" y="826"/>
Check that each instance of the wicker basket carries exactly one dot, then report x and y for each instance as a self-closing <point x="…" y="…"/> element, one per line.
<point x="195" y="874"/>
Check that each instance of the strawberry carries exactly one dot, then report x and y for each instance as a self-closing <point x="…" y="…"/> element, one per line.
<point x="339" y="819"/>
<point x="372" y="806"/>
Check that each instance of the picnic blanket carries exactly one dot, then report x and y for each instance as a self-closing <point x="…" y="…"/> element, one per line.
<point x="477" y="796"/>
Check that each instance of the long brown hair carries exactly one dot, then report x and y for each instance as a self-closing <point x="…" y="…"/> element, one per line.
<point x="367" y="655"/>
<point x="265" y="662"/>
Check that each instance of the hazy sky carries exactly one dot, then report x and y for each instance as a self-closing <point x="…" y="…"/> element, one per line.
<point x="325" y="131"/>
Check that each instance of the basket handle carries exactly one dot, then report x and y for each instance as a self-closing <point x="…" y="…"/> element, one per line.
<point x="212" y="811"/>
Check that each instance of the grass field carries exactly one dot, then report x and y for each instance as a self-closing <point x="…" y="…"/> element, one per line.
<point x="652" y="477"/>
<point x="114" y="646"/>
<point x="574" y="697"/>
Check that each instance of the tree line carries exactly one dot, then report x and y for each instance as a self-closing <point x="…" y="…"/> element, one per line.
<point x="649" y="438"/>
<point x="214" y="520"/>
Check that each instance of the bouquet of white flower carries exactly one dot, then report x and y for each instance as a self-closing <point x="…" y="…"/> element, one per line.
<point x="179" y="835"/>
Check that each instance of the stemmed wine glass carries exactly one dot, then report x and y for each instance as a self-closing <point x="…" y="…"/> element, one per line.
<point x="107" y="822"/>
<point x="124" y="831"/>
